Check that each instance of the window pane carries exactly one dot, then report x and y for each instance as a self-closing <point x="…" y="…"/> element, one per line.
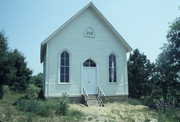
<point x="67" y="55"/>
<point x="66" y="78"/>
<point x="62" y="78"/>
<point x="92" y="64"/>
<point x="62" y="70"/>
<point x="67" y="62"/>
<point x="110" y="64"/>
<point x="110" y="71"/>
<point x="63" y="55"/>
<point x="62" y="62"/>
<point x="115" y="77"/>
<point x="112" y="68"/>
<point x="110" y="80"/>
<point x="110" y="61"/>
<point x="85" y="64"/>
<point x="67" y="70"/>
<point x="89" y="63"/>
<point x="114" y="63"/>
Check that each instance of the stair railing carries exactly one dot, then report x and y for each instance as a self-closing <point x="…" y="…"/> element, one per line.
<point x="85" y="95"/>
<point x="100" y="96"/>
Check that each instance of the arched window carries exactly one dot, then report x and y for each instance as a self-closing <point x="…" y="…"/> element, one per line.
<point x="89" y="63"/>
<point x="64" y="68"/>
<point x="112" y="68"/>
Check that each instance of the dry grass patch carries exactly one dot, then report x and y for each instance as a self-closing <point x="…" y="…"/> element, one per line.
<point x="117" y="112"/>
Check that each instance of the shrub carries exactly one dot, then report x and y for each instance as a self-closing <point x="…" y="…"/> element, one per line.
<point x="149" y="101"/>
<point x="28" y="105"/>
<point x="41" y="108"/>
<point x="47" y="108"/>
<point x="32" y="92"/>
<point x="134" y="101"/>
<point x="63" y="105"/>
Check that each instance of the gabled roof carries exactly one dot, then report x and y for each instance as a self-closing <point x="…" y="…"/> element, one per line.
<point x="90" y="5"/>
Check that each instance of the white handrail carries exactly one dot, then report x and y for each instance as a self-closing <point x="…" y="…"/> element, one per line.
<point x="100" y="96"/>
<point x="100" y="91"/>
<point x="84" y="92"/>
<point x="85" y="95"/>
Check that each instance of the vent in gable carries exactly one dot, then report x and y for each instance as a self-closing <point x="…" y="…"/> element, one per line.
<point x="89" y="32"/>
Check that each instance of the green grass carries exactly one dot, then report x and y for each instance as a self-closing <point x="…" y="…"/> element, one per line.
<point x="32" y="110"/>
<point x="134" y="101"/>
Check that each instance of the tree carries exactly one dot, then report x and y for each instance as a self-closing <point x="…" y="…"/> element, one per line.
<point x="3" y="61"/>
<point x="19" y="76"/>
<point x="173" y="46"/>
<point x="167" y="77"/>
<point x="139" y="74"/>
<point x="37" y="80"/>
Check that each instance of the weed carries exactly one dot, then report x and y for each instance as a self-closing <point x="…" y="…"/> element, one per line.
<point x="63" y="105"/>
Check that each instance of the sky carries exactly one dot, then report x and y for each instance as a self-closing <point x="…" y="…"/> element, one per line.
<point x="142" y="23"/>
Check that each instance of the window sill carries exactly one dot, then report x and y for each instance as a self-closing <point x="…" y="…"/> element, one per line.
<point x="64" y="83"/>
<point x="113" y="83"/>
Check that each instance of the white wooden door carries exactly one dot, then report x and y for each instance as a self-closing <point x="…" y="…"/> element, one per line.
<point x="89" y="78"/>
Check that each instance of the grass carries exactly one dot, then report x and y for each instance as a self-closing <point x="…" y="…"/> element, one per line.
<point x="130" y="111"/>
<point x="33" y="110"/>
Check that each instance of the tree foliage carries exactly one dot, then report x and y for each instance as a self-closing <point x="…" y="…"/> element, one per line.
<point x="19" y="76"/>
<point x="37" y="80"/>
<point x="13" y="68"/>
<point x="167" y="76"/>
<point x="3" y="61"/>
<point x="158" y="84"/>
<point x="140" y="72"/>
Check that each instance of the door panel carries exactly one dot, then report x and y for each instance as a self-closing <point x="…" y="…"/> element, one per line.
<point x="89" y="78"/>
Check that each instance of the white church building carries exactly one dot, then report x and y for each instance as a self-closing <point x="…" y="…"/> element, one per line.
<point x="85" y="56"/>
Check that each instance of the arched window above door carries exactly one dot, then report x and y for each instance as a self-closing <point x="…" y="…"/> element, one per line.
<point x="89" y="63"/>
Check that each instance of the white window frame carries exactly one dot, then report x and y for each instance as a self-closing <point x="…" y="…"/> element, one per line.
<point x="117" y="69"/>
<point x="59" y="66"/>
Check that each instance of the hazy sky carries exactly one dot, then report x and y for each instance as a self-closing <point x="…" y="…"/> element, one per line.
<point x="142" y="23"/>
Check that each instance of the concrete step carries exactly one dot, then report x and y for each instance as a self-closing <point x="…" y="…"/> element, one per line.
<point x="92" y="100"/>
<point x="92" y="96"/>
<point x="93" y="103"/>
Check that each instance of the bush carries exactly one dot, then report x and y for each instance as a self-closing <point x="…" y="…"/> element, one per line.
<point x="63" y="105"/>
<point x="42" y="108"/>
<point x="47" y="108"/>
<point x="28" y="105"/>
<point x="134" y="101"/>
<point x="32" y="92"/>
<point x="149" y="101"/>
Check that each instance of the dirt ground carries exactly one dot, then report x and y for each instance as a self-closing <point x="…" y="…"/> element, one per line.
<point x="113" y="112"/>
